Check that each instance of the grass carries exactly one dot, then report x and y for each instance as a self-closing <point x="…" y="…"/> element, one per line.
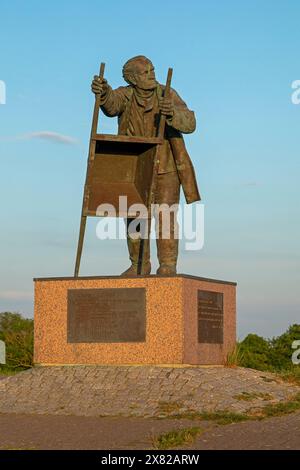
<point x="235" y="357"/>
<point x="176" y="438"/>
<point x="8" y="371"/>
<point x="292" y="376"/>
<point x="246" y="396"/>
<point x="224" y="417"/>
<point x="169" y="406"/>
<point x="227" y="417"/>
<point x="169" y="409"/>
<point x="283" y="408"/>
<point x="17" y="448"/>
<point x="219" y="417"/>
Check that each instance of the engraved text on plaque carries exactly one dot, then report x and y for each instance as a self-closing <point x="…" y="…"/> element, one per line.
<point x="106" y="315"/>
<point x="210" y="317"/>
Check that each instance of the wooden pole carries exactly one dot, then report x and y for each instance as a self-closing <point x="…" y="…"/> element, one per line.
<point x="91" y="156"/>
<point x="161" y="133"/>
<point x="162" y="121"/>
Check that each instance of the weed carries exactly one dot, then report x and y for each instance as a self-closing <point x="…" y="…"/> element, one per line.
<point x="176" y="438"/>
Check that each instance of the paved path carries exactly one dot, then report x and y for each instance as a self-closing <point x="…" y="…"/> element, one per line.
<point x="74" y="432"/>
<point x="274" y="433"/>
<point x="139" y="391"/>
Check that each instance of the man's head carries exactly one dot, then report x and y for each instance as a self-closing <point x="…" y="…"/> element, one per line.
<point x="139" y="72"/>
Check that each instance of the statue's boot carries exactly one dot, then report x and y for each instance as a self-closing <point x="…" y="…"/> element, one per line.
<point x="167" y="253"/>
<point x="134" y="252"/>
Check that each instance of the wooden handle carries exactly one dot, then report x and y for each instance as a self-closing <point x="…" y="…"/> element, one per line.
<point x="162" y="121"/>
<point x="168" y="84"/>
<point x="97" y="104"/>
<point x="102" y="68"/>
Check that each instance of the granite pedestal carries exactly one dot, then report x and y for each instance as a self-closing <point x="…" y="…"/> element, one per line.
<point x="172" y="320"/>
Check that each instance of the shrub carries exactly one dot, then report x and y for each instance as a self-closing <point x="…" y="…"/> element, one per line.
<point x="274" y="355"/>
<point x="255" y="352"/>
<point x="17" y="333"/>
<point x="281" y="350"/>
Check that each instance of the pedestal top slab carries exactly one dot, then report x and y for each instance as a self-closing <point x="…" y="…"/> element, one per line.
<point x="150" y="276"/>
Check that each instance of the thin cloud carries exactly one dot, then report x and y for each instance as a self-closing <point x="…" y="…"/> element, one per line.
<point x="49" y="135"/>
<point x="15" y="295"/>
<point x="44" y="135"/>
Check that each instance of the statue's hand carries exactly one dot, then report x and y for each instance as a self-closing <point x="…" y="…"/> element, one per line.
<point x="166" y="106"/>
<point x="99" y="85"/>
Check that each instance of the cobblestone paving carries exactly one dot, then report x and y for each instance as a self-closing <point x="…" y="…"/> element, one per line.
<point x="139" y="390"/>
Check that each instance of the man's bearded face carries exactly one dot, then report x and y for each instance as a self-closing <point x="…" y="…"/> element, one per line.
<point x="144" y="75"/>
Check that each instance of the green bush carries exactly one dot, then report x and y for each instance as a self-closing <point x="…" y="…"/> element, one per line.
<point x="274" y="355"/>
<point x="281" y="348"/>
<point x="17" y="333"/>
<point x="255" y="352"/>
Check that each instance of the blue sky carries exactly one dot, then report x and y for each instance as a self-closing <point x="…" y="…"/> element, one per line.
<point x="234" y="63"/>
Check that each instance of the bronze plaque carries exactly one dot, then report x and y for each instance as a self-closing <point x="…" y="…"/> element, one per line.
<point x="106" y="315"/>
<point x="210" y="317"/>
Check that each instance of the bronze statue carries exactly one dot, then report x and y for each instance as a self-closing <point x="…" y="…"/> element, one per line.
<point x="138" y="107"/>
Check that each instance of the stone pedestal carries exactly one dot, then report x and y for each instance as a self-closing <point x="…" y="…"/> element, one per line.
<point x="140" y="320"/>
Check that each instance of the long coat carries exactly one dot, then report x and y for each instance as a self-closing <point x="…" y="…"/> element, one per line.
<point x="135" y="117"/>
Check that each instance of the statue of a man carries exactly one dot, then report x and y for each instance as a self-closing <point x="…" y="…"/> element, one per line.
<point x="138" y="106"/>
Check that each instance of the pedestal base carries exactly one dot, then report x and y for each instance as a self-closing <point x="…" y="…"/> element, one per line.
<point x="140" y="320"/>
